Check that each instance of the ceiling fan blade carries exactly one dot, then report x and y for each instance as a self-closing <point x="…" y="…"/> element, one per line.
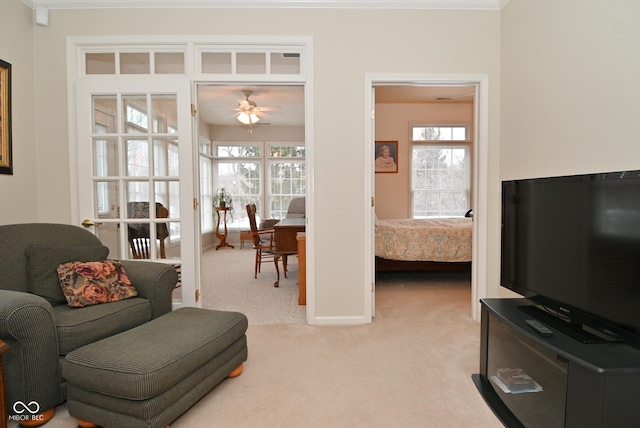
<point x="453" y="97"/>
<point x="268" y="108"/>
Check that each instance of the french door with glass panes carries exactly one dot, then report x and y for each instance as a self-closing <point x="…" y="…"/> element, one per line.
<point x="135" y="173"/>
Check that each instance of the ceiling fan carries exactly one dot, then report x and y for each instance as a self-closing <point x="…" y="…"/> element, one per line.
<point x="248" y="110"/>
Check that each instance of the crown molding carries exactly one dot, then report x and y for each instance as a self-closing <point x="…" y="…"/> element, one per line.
<point x="270" y="4"/>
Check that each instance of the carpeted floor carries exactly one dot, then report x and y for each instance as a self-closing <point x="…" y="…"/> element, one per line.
<point x="410" y="368"/>
<point x="228" y="284"/>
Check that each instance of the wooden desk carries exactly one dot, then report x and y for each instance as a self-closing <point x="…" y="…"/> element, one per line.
<point x="285" y="241"/>
<point x="302" y="268"/>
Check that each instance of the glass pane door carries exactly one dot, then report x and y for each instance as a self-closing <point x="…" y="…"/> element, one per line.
<point x="135" y="173"/>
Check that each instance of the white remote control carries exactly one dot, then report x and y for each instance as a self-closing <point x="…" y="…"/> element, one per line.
<point x="540" y="328"/>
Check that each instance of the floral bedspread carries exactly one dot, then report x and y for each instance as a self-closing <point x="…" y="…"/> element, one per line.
<point x="438" y="240"/>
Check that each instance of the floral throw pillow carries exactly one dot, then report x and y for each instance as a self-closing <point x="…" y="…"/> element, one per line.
<point x="91" y="283"/>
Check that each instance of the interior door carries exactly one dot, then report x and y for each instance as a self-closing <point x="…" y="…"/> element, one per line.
<point x="135" y="162"/>
<point x="372" y="192"/>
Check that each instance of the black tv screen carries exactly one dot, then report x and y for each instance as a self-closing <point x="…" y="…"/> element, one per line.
<point x="572" y="244"/>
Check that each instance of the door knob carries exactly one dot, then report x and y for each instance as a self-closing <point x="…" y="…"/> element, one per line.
<point x="87" y="223"/>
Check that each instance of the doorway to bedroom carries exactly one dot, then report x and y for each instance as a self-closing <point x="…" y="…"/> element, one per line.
<point x="435" y="138"/>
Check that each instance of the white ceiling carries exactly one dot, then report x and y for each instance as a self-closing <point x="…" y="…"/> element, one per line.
<point x="283" y="105"/>
<point x="280" y="105"/>
<point x="423" y="94"/>
<point x="235" y="4"/>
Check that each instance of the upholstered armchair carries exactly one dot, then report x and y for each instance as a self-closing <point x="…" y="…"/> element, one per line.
<point x="36" y="320"/>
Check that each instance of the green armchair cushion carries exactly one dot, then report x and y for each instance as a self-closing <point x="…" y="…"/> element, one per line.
<point x="76" y="327"/>
<point x="42" y="262"/>
<point x="95" y="282"/>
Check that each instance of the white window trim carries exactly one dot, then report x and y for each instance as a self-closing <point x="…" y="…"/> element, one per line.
<point x="467" y="145"/>
<point x="466" y="126"/>
<point x="264" y="160"/>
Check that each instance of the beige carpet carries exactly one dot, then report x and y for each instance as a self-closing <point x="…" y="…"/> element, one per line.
<point x="410" y="368"/>
<point x="228" y="284"/>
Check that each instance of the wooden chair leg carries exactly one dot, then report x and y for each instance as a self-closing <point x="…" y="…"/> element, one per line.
<point x="256" y="267"/>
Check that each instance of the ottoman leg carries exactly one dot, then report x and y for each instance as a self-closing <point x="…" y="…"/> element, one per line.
<point x="42" y="418"/>
<point x="237" y="371"/>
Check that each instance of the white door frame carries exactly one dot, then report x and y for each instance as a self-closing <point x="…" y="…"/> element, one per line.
<point x="480" y="178"/>
<point x="191" y="44"/>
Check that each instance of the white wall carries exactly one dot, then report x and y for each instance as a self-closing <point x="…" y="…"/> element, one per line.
<point x="385" y="41"/>
<point x="570" y="87"/>
<point x="19" y="192"/>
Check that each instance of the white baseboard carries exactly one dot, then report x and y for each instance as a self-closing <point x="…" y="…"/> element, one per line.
<point x="337" y="320"/>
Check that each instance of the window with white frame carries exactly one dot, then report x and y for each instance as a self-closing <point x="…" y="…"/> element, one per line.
<point x="287" y="178"/>
<point x="266" y="174"/>
<point x="440" y="171"/>
<point x="102" y="167"/>
<point x="206" y="186"/>
<point x="156" y="156"/>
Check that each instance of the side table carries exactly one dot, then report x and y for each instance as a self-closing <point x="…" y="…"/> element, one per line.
<point x="222" y="212"/>
<point x="3" y="410"/>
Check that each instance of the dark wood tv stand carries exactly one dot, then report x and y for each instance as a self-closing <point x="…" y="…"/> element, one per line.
<point x="583" y="384"/>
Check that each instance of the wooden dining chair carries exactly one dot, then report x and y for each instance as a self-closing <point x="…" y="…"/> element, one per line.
<point x="139" y="236"/>
<point x="263" y="242"/>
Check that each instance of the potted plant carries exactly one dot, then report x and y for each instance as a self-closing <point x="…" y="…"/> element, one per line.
<point x="223" y="199"/>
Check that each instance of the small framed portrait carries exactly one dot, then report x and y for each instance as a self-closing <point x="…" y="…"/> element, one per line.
<point x="386" y="156"/>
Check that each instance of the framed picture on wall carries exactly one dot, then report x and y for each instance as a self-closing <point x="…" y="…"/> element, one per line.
<point x="6" y="164"/>
<point x="386" y="156"/>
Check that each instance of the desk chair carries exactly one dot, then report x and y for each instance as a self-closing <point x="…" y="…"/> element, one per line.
<point x="296" y="208"/>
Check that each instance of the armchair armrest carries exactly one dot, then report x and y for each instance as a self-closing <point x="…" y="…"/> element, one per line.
<point x="154" y="281"/>
<point x="32" y="367"/>
<point x="270" y="232"/>
<point x="25" y="316"/>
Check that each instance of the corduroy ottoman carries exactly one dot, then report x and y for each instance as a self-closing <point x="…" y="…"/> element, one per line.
<point x="150" y="375"/>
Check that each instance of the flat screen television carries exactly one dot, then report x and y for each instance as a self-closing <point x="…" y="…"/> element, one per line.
<point x="572" y="245"/>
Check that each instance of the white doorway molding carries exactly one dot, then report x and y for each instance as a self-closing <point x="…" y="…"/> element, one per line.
<point x="480" y="175"/>
<point x="192" y="48"/>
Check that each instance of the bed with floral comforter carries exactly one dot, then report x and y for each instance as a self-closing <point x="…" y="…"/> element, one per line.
<point x="426" y="240"/>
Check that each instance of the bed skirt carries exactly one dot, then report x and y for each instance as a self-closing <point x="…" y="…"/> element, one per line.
<point x="386" y="265"/>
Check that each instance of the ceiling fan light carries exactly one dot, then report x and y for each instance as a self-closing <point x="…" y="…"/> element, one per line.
<point x="248" y="119"/>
